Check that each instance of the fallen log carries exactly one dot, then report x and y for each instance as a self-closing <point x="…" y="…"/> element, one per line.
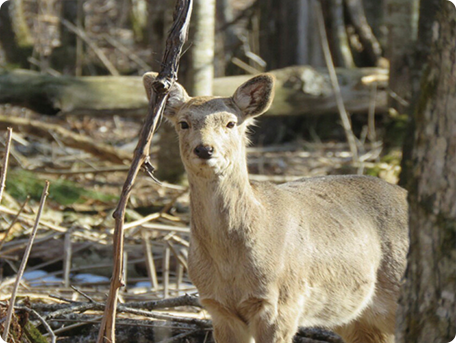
<point x="300" y="90"/>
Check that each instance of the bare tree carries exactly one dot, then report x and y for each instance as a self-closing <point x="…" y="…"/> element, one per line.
<point x="201" y="69"/>
<point x="198" y="79"/>
<point x="428" y="304"/>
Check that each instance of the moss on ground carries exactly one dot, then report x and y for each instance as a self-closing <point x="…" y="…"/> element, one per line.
<point x="21" y="183"/>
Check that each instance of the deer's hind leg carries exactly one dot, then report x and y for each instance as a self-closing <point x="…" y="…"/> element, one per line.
<point x="369" y="328"/>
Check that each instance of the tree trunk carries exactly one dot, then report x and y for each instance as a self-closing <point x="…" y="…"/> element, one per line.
<point x="427" y="311"/>
<point x="201" y="68"/>
<point x="278" y="32"/>
<point x="340" y="46"/>
<point x="372" y="49"/>
<point x="427" y="17"/>
<point x="401" y="39"/>
<point x="198" y="81"/>
<point x="17" y="47"/>
<point x="169" y="166"/>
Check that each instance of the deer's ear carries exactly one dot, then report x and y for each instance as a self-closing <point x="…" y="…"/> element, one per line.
<point x="177" y="95"/>
<point x="255" y="96"/>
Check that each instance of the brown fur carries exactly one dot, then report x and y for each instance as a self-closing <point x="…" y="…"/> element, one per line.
<point x="327" y="251"/>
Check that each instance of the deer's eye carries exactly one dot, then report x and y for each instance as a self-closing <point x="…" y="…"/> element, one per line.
<point x="184" y="125"/>
<point x="231" y="124"/>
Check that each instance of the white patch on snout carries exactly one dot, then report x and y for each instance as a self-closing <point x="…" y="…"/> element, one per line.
<point x="213" y="166"/>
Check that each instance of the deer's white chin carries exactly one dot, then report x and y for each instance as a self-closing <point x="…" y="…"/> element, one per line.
<point x="208" y="168"/>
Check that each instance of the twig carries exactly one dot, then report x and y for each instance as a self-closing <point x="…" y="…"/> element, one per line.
<point x="320" y="335"/>
<point x="5" y="161"/>
<point x="81" y="171"/>
<point x="69" y="138"/>
<point x="371" y="115"/>
<point x="41" y="319"/>
<point x="165" y="270"/>
<point x="150" y="264"/>
<point x="9" y="314"/>
<point x="176" y="254"/>
<point x="67" y="247"/>
<point x="85" y="295"/>
<point x="28" y="219"/>
<point x="165" y="316"/>
<point x="335" y="83"/>
<point x="127" y="52"/>
<point x="184" y="300"/>
<point x="141" y="221"/>
<point x="164" y="227"/>
<point x="126" y="309"/>
<point x="246" y="67"/>
<point x="178" y="338"/>
<point x="162" y="85"/>
<point x="95" y="320"/>
<point x="101" y="55"/>
<point x="58" y="297"/>
<point x="14" y="222"/>
<point x="170" y="204"/>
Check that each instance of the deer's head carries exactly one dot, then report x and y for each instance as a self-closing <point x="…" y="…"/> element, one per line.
<point x="212" y="130"/>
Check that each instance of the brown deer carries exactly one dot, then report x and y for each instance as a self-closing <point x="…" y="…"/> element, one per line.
<point x="326" y="251"/>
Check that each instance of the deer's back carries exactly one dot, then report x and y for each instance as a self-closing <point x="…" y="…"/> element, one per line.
<point x="346" y="236"/>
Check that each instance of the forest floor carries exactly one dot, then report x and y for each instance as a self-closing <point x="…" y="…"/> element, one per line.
<point x="67" y="274"/>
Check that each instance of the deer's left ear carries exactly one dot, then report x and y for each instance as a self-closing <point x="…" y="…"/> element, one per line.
<point x="177" y="94"/>
<point x="254" y="97"/>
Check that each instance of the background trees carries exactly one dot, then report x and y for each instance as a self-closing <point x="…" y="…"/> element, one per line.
<point x="410" y="43"/>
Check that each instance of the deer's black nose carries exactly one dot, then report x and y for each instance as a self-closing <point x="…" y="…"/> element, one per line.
<point x="204" y="151"/>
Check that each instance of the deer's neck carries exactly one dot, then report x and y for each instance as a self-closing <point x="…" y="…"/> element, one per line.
<point x="223" y="204"/>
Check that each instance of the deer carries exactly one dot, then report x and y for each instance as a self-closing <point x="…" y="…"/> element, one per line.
<point x="326" y="252"/>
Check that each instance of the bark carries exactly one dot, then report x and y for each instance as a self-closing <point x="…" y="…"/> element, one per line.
<point x="427" y="16"/>
<point x="160" y="20"/>
<point x="225" y="39"/>
<point x="428" y="303"/>
<point x="340" y="46"/>
<point x="367" y="38"/>
<point x="278" y="32"/>
<point x="299" y="91"/>
<point x="16" y="50"/>
<point x="169" y="165"/>
<point x="401" y="39"/>
<point x="202" y="50"/>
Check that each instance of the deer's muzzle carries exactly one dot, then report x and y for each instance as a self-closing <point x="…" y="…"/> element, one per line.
<point x="204" y="151"/>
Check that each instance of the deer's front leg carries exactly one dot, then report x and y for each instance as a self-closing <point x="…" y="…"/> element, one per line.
<point x="276" y="324"/>
<point x="228" y="328"/>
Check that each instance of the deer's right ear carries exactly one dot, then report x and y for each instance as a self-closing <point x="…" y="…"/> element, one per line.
<point x="254" y="97"/>
<point x="177" y="95"/>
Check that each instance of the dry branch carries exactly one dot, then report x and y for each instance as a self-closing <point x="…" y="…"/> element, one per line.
<point x="68" y="138"/>
<point x="346" y="123"/>
<point x="9" y="314"/>
<point x="5" y="162"/>
<point x="165" y="80"/>
<point x="7" y="232"/>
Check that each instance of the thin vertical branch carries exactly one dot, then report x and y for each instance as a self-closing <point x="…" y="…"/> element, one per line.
<point x="25" y="258"/>
<point x="67" y="258"/>
<point x="165" y="269"/>
<point x="5" y="161"/>
<point x="16" y="218"/>
<point x="335" y="83"/>
<point x="162" y="85"/>
<point x="150" y="264"/>
<point x="371" y="115"/>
